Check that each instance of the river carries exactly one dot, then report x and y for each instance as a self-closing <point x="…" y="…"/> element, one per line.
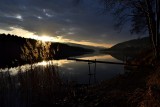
<point x="78" y="71"/>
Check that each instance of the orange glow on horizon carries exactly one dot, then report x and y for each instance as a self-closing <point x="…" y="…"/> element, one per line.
<point x="27" y="34"/>
<point x="46" y="38"/>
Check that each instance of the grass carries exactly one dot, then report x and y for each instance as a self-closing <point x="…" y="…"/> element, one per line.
<point x="137" y="88"/>
<point x="43" y="87"/>
<point x="39" y="87"/>
<point x="121" y="91"/>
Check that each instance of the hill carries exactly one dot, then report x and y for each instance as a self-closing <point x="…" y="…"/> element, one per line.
<point x="129" y="48"/>
<point x="135" y="44"/>
<point x="85" y="46"/>
<point x="17" y="50"/>
<point x="64" y="50"/>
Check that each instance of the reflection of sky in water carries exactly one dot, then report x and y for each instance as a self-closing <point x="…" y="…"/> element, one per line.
<point x="80" y="71"/>
<point x="26" y="67"/>
<point x="100" y="58"/>
<point x="77" y="71"/>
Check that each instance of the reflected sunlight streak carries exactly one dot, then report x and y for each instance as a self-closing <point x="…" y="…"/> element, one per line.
<point x="61" y="62"/>
<point x="26" y="67"/>
<point x="43" y="63"/>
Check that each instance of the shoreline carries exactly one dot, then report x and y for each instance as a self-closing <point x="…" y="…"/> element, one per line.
<point x="135" y="88"/>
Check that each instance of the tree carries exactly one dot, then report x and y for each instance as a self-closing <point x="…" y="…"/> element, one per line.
<point x="142" y="14"/>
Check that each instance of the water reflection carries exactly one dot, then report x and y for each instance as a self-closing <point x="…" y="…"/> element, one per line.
<point x="100" y="58"/>
<point x="75" y="71"/>
<point x="43" y="63"/>
<point x="26" y="67"/>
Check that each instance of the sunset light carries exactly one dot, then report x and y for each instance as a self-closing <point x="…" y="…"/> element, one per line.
<point x="46" y="38"/>
<point x="79" y="53"/>
<point x="50" y="38"/>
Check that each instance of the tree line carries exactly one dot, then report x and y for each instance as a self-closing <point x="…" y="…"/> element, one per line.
<point x="16" y="50"/>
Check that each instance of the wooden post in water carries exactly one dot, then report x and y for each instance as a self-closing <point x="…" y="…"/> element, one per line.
<point x="105" y="62"/>
<point x="90" y="72"/>
<point x="95" y="67"/>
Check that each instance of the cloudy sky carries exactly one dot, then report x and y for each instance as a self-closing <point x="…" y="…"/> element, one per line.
<point x="63" y="20"/>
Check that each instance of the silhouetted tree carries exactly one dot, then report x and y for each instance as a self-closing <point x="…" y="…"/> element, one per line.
<point x="143" y="15"/>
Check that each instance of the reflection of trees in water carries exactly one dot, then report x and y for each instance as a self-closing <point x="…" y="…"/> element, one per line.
<point x="123" y="56"/>
<point x="39" y="87"/>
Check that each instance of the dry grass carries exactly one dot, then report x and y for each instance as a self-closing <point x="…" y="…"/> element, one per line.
<point x="39" y="87"/>
<point x="43" y="87"/>
<point x="132" y="89"/>
<point x="151" y="97"/>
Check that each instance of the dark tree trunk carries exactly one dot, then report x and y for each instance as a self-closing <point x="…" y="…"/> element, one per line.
<point x="152" y="27"/>
<point x="157" y="26"/>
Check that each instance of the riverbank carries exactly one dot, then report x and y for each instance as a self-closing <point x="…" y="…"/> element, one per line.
<point x="44" y="88"/>
<point x="136" y="88"/>
<point x="132" y="89"/>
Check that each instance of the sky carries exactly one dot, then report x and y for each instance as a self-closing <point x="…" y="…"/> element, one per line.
<point x="62" y="20"/>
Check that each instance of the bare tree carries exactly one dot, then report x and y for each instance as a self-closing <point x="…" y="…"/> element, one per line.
<point x="144" y="16"/>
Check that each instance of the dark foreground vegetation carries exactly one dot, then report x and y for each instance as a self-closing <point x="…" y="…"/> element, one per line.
<point x="137" y="87"/>
<point x="43" y="86"/>
<point x="38" y="87"/>
<point x="16" y="50"/>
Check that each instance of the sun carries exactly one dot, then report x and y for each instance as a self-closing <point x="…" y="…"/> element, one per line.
<point x="45" y="38"/>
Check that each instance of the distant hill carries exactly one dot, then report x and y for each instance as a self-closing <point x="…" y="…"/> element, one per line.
<point x="16" y="50"/>
<point x="65" y="50"/>
<point x="128" y="48"/>
<point x="141" y="43"/>
<point x="85" y="46"/>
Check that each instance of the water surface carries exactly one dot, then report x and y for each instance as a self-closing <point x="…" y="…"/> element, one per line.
<point x="78" y="71"/>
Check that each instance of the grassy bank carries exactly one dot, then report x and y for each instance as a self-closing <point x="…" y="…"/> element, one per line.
<point x="135" y="88"/>
<point x="38" y="87"/>
<point x="43" y="87"/>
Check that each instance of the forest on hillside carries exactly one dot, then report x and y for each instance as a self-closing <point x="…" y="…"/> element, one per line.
<point x="17" y="50"/>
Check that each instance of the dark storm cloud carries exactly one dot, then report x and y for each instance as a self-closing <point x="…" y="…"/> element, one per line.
<point x="61" y="18"/>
